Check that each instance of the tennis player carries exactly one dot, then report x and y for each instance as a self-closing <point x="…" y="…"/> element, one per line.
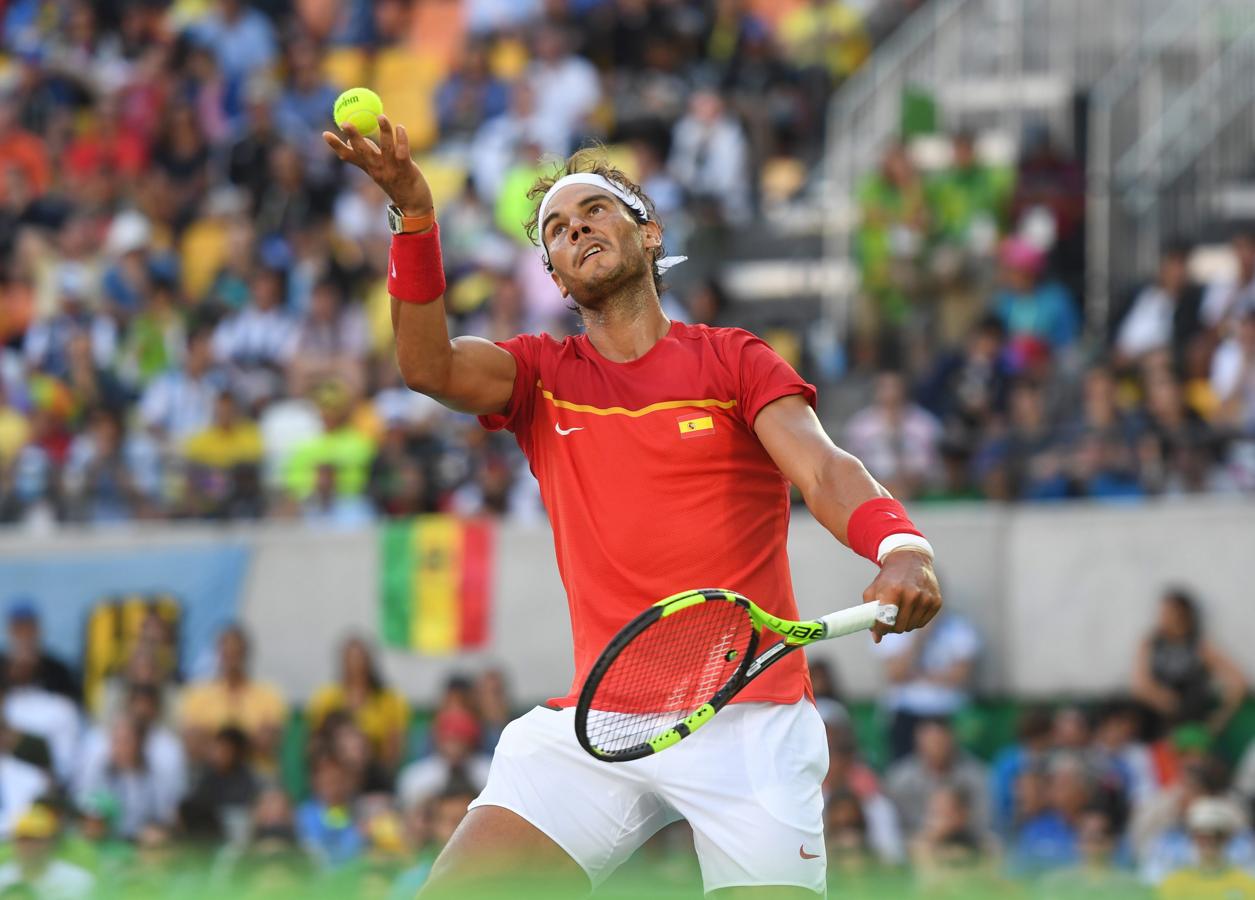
<point x="664" y="452"/>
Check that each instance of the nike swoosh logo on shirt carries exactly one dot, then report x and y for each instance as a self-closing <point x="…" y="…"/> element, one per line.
<point x="801" y="851"/>
<point x="565" y="431"/>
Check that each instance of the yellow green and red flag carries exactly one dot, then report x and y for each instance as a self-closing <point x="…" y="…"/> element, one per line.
<point x="436" y="583"/>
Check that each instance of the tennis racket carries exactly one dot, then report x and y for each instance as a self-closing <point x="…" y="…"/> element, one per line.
<point x="670" y="669"/>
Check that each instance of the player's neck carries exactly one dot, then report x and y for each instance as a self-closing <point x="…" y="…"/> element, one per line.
<point x="627" y="326"/>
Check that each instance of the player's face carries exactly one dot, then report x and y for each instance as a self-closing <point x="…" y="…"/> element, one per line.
<point x="596" y="246"/>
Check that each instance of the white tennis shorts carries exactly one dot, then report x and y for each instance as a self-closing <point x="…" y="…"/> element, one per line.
<point x="748" y="782"/>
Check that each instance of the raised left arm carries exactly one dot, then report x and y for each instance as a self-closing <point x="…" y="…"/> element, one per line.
<point x="834" y="484"/>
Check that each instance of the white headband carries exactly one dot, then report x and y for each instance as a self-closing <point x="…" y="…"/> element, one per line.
<point x="631" y="200"/>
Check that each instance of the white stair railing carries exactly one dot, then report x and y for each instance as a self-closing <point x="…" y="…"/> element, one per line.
<point x="985" y="60"/>
<point x="1123" y="104"/>
<point x="1167" y="126"/>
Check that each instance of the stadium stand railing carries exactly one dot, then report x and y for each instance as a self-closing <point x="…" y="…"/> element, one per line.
<point x="1168" y="127"/>
<point x="988" y="64"/>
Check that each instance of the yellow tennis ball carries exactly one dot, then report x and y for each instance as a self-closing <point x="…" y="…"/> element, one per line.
<point x="359" y="107"/>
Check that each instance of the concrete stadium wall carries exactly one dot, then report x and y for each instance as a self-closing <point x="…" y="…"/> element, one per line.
<point x="1061" y="595"/>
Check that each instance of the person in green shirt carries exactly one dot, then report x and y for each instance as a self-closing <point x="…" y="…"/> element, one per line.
<point x="825" y="34"/>
<point x="968" y="203"/>
<point x="514" y="207"/>
<point x="157" y="337"/>
<point x="969" y="199"/>
<point x="890" y="241"/>
<point x="341" y="446"/>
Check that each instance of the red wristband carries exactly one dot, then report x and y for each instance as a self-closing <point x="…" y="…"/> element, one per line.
<point x="873" y="521"/>
<point x="415" y="269"/>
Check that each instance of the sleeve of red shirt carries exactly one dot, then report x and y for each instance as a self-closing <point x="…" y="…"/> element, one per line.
<point x="765" y="376"/>
<point x="518" y="412"/>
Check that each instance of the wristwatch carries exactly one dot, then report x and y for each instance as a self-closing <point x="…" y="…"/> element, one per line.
<point x="400" y="223"/>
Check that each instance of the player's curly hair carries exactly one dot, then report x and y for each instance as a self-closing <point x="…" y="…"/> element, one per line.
<point x="591" y="160"/>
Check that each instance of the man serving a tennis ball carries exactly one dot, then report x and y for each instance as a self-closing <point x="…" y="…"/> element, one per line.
<point x="664" y="453"/>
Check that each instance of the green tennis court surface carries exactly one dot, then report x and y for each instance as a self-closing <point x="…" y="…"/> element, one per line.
<point x="671" y="877"/>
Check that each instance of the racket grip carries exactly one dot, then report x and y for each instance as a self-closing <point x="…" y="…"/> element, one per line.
<point x="858" y="618"/>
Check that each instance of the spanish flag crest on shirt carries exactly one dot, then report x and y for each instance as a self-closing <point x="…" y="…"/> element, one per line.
<point x="436" y="583"/>
<point x="696" y="425"/>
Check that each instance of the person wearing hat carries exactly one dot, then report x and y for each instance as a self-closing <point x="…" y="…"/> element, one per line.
<point x="1159" y="830"/>
<point x="34" y="865"/>
<point x="25" y="646"/>
<point x="1212" y="823"/>
<point x="1030" y="305"/>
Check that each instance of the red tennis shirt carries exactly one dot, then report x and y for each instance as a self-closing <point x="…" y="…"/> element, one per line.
<point x="655" y="481"/>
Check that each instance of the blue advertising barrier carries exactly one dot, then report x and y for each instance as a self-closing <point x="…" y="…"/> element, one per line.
<point x="83" y="596"/>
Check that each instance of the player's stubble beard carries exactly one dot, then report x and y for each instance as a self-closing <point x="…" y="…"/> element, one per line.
<point x="624" y="293"/>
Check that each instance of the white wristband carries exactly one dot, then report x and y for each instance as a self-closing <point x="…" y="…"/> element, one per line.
<point x="903" y="542"/>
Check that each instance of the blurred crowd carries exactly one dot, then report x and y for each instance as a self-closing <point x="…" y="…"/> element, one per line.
<point x="166" y="781"/>
<point x="193" y="324"/>
<point x="160" y="783"/>
<point x="989" y="386"/>
<point x="193" y="314"/>
<point x="1134" y="796"/>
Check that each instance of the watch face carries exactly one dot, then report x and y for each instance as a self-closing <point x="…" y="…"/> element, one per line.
<point x="394" y="220"/>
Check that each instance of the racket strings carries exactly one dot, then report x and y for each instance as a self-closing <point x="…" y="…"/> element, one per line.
<point x="666" y="672"/>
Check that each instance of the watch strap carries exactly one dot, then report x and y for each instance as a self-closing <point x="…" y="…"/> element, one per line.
<point x="413" y="224"/>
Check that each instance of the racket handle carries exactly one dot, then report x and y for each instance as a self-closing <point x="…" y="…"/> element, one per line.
<point x="858" y="618"/>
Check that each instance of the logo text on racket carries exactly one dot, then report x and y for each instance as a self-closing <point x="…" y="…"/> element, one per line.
<point x="803" y="631"/>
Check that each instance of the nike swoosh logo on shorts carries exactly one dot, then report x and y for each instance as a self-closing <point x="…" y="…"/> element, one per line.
<point x="394" y="270"/>
<point x="801" y="851"/>
<point x="565" y="431"/>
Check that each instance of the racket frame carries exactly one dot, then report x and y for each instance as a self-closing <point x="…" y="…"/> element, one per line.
<point x="795" y="633"/>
